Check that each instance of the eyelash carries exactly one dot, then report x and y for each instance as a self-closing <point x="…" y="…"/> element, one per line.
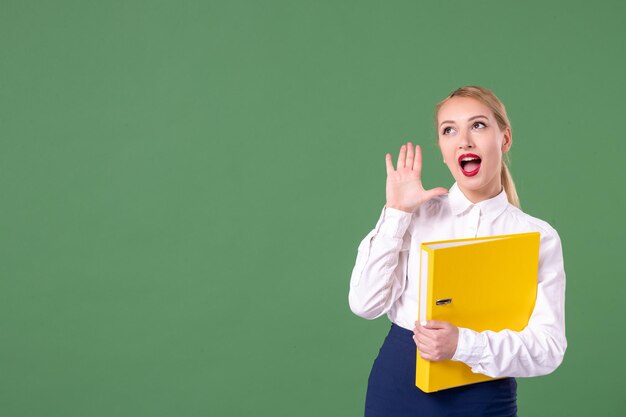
<point x="445" y="129"/>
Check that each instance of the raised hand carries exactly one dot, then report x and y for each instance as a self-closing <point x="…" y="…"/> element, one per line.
<point x="404" y="184"/>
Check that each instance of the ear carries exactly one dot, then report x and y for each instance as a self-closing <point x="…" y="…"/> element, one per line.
<point x="507" y="140"/>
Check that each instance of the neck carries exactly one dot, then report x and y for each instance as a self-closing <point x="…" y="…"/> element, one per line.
<point x="476" y="196"/>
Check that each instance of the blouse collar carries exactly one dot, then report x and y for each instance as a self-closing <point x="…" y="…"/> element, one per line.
<point x="490" y="208"/>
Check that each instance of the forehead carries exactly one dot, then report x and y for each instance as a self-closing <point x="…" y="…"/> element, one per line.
<point x="458" y="109"/>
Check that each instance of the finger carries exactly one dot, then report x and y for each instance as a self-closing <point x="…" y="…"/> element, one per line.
<point x="436" y="324"/>
<point x="425" y="334"/>
<point x="410" y="153"/>
<point x="401" y="157"/>
<point x="388" y="163"/>
<point x="430" y="356"/>
<point x="422" y="346"/>
<point x="427" y="350"/>
<point x="424" y="351"/>
<point x="419" y="327"/>
<point x="417" y="160"/>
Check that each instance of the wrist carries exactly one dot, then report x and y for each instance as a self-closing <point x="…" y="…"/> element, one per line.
<point x="401" y="208"/>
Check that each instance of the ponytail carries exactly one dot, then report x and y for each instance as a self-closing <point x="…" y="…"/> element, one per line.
<point x="509" y="185"/>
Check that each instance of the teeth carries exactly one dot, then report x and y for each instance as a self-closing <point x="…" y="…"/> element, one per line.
<point x="469" y="158"/>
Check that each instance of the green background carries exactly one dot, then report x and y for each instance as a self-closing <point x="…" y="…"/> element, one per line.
<point x="184" y="185"/>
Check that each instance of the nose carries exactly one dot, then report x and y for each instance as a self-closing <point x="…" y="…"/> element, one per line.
<point x="465" y="141"/>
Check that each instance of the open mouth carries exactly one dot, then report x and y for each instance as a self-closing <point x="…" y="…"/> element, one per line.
<point x="470" y="164"/>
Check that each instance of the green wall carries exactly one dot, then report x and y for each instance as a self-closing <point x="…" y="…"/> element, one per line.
<point x="183" y="186"/>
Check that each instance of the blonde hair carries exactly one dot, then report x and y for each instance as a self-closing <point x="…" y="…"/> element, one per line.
<point x="490" y="100"/>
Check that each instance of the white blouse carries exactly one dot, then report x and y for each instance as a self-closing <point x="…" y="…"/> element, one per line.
<point x="384" y="280"/>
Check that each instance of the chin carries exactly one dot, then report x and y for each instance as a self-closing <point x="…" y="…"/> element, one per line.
<point x="480" y="186"/>
<point x="473" y="183"/>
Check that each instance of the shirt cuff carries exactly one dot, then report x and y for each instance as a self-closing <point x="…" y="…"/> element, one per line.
<point x="394" y="223"/>
<point x="470" y="347"/>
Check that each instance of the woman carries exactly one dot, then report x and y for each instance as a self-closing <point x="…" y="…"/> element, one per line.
<point x="474" y="135"/>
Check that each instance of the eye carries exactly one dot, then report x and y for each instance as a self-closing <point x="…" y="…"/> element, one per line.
<point x="479" y="125"/>
<point x="446" y="130"/>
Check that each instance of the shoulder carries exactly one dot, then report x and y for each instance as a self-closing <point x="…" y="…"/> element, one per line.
<point x="535" y="222"/>
<point x="524" y="222"/>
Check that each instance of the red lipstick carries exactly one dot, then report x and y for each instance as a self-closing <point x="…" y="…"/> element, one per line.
<point x="470" y="164"/>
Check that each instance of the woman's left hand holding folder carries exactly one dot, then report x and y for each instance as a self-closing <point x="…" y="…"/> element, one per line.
<point x="436" y="340"/>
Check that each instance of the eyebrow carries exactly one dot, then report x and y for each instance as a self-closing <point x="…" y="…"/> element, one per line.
<point x="471" y="118"/>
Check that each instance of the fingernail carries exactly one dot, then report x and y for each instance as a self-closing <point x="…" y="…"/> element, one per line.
<point x="423" y="322"/>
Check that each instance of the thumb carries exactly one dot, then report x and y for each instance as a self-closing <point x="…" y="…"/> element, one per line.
<point x="435" y="324"/>
<point x="435" y="192"/>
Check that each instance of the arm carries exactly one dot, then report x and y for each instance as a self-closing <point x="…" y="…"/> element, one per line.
<point x="540" y="347"/>
<point x="379" y="275"/>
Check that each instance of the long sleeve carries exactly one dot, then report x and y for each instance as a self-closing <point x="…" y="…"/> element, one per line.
<point x="540" y="347"/>
<point x="379" y="274"/>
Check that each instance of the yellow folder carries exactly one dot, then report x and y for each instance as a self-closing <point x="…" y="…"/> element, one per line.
<point x="487" y="283"/>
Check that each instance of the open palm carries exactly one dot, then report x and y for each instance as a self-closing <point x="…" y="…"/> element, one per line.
<point x="404" y="185"/>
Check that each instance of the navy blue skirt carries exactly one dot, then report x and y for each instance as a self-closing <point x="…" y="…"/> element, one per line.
<point x="391" y="390"/>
